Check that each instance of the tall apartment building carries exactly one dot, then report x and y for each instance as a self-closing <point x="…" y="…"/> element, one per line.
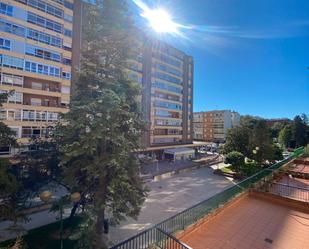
<point x="35" y="62"/>
<point x="212" y="126"/>
<point x="166" y="78"/>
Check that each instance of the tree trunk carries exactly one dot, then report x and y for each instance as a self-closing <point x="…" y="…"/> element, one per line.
<point x="99" y="229"/>
<point x="100" y="221"/>
<point x="73" y="211"/>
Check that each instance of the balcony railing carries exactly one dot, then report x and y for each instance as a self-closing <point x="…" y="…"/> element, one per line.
<point x="152" y="238"/>
<point x="289" y="191"/>
<point x="180" y="221"/>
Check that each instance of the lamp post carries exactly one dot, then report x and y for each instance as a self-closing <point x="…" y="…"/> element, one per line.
<point x="46" y="196"/>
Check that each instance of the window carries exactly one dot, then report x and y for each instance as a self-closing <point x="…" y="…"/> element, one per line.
<point x="5" y="44"/>
<point x="31" y="33"/>
<point x="68" y="5"/>
<point x="167" y="87"/>
<point x="66" y="61"/>
<point x="42" y="69"/>
<point x="167" y="77"/>
<point x="68" y="32"/>
<point x="12" y="28"/>
<point x="168" y="69"/>
<point x="66" y="75"/>
<point x="167" y="105"/>
<point x="12" y="62"/>
<point x="16" y="98"/>
<point x="44" y="22"/>
<point x="36" y="102"/>
<point x="5" y="150"/>
<point x="68" y="18"/>
<point x="37" y="86"/>
<point x="6" y="9"/>
<point x="44" y="38"/>
<point x="167" y="59"/>
<point x="45" y="7"/>
<point x="42" y="53"/>
<point x="12" y="80"/>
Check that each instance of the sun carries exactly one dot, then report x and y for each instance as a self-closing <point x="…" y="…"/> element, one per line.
<point x="160" y="21"/>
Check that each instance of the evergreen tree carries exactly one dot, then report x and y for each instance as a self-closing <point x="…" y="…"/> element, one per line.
<point x="286" y="136"/>
<point x="300" y="130"/>
<point x="102" y="130"/>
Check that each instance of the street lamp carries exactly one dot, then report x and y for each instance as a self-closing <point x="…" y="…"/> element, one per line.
<point x="46" y="196"/>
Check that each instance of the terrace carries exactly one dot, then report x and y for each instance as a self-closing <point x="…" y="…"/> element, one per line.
<point x="254" y="213"/>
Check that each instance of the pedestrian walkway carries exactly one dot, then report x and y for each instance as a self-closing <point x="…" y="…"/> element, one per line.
<point x="169" y="197"/>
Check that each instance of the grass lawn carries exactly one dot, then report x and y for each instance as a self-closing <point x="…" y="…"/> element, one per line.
<point x="46" y="237"/>
<point x="227" y="169"/>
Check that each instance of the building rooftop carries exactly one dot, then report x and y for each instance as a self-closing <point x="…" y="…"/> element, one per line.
<point x="252" y="223"/>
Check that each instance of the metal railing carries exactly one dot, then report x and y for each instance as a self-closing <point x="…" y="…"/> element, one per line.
<point x="182" y="220"/>
<point x="153" y="238"/>
<point x="289" y="191"/>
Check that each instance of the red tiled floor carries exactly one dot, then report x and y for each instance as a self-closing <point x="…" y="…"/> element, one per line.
<point x="248" y="223"/>
<point x="301" y="168"/>
<point x="296" y="182"/>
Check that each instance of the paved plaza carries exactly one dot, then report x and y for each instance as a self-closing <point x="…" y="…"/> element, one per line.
<point x="170" y="196"/>
<point x="166" y="198"/>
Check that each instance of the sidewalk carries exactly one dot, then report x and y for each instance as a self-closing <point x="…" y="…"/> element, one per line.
<point x="154" y="169"/>
<point x="36" y="220"/>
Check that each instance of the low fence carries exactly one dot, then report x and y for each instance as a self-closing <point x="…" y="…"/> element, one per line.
<point x="180" y="221"/>
<point x="153" y="238"/>
<point x="298" y="193"/>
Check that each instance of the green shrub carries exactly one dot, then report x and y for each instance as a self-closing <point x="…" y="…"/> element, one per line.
<point x="249" y="168"/>
<point x="306" y="150"/>
<point x="236" y="159"/>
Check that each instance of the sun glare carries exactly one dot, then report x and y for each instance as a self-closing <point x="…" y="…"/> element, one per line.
<point x="160" y="21"/>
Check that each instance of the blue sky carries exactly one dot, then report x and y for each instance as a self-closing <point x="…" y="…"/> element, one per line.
<point x="250" y="55"/>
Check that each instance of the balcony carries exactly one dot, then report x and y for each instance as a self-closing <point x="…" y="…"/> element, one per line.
<point x="240" y="217"/>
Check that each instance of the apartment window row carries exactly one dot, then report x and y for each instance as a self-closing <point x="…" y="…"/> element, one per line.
<point x="5" y="44"/>
<point x="167" y="114"/>
<point x="44" y="22"/>
<point x="30" y="33"/>
<point x="43" y="6"/>
<point x="168" y="69"/>
<point x="39" y="68"/>
<point x="28" y="132"/>
<point x="167" y="132"/>
<point x="167" y="105"/>
<point x="14" y="98"/>
<point x="39" y="116"/>
<point x="66" y="4"/>
<point x="166" y="140"/>
<point x="30" y="66"/>
<point x="169" y="50"/>
<point x="164" y="86"/>
<point x="6" y="9"/>
<point x="42" y="53"/>
<point x="164" y="122"/>
<point x="166" y="96"/>
<point x="163" y="76"/>
<point x="13" y="80"/>
<point x="167" y="59"/>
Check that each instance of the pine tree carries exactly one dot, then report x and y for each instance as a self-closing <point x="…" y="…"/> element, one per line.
<point x="102" y="130"/>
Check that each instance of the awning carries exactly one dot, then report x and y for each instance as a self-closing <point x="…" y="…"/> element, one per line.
<point x="180" y="151"/>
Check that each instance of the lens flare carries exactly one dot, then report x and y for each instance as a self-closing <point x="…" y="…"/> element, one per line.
<point x="160" y="21"/>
